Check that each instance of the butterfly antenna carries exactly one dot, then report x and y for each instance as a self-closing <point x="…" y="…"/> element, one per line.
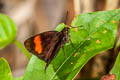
<point x="66" y="17"/>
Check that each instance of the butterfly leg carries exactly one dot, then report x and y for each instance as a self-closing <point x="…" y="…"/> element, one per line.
<point x="67" y="38"/>
<point x="63" y="52"/>
<point x="63" y="42"/>
<point x="71" y="43"/>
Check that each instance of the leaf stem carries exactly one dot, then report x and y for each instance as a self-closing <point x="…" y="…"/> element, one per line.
<point x="21" y="47"/>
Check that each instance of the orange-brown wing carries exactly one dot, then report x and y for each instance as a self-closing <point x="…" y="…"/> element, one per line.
<point x="40" y="44"/>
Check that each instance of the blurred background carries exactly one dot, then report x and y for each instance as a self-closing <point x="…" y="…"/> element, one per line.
<point x="35" y="16"/>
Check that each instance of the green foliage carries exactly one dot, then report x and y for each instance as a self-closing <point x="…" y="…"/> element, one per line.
<point x="5" y="72"/>
<point x="116" y="68"/>
<point x="7" y="30"/>
<point x="95" y="33"/>
<point x="18" y="78"/>
<point x="60" y="27"/>
<point x="35" y="70"/>
<point x="8" y="34"/>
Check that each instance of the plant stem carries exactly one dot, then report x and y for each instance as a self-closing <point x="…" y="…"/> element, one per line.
<point x="21" y="47"/>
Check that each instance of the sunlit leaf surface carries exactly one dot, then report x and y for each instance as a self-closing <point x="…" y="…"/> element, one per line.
<point x="7" y="30"/>
<point x="95" y="32"/>
<point x="5" y="72"/>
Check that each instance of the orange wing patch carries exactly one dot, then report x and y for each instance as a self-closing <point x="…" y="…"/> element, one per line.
<point x="38" y="44"/>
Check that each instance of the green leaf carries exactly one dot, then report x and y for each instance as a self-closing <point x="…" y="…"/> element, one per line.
<point x="116" y="68"/>
<point x="18" y="78"/>
<point x="60" y="27"/>
<point x="95" y="33"/>
<point x="5" y="72"/>
<point x="7" y="30"/>
<point x="35" y="70"/>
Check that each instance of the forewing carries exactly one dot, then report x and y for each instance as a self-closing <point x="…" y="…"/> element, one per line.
<point x="38" y="44"/>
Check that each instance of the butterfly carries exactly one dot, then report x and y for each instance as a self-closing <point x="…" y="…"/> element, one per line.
<point x="47" y="44"/>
